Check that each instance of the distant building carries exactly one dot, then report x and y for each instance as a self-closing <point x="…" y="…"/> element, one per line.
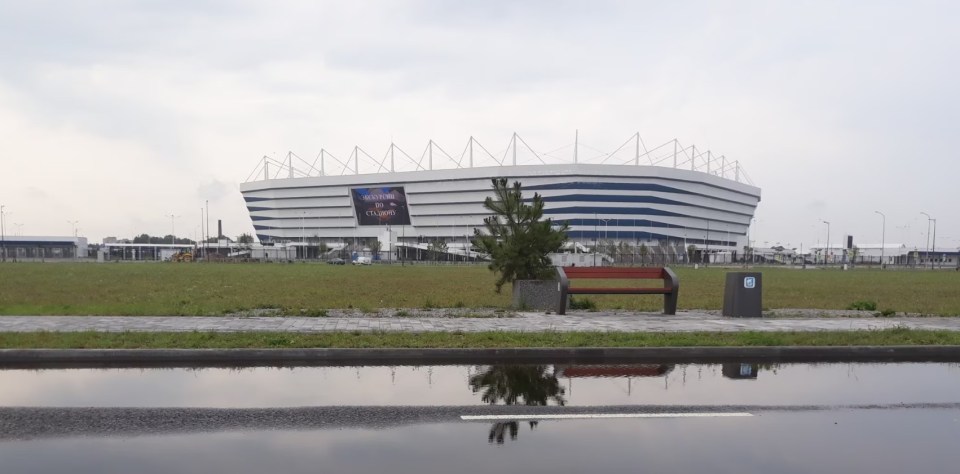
<point x="42" y="247"/>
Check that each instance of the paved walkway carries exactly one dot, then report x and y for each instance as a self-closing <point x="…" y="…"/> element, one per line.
<point x="523" y="322"/>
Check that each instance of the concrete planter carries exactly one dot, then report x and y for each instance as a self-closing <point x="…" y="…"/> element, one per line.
<point x="536" y="295"/>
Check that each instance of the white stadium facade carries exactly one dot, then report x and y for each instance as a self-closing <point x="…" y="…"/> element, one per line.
<point x="668" y="196"/>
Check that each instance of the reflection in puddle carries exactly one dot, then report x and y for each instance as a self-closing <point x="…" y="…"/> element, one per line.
<point x="530" y="385"/>
<point x="538" y="385"/>
<point x="587" y="418"/>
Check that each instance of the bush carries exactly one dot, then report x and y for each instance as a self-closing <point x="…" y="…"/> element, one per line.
<point x="863" y="305"/>
<point x="585" y="303"/>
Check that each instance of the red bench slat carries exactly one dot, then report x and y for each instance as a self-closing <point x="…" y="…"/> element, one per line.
<point x="614" y="273"/>
<point x="618" y="291"/>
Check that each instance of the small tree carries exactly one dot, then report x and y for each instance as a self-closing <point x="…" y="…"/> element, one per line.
<point x="245" y="239"/>
<point x="623" y="249"/>
<point x="854" y="252"/>
<point x="691" y="252"/>
<point x="375" y="246"/>
<point x="437" y="247"/>
<point x="518" y="241"/>
<point x="643" y="254"/>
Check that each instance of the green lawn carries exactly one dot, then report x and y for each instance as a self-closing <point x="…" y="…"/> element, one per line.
<point x="211" y="289"/>
<point x="211" y="340"/>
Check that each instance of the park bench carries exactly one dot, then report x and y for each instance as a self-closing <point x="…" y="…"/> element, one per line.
<point x="669" y="290"/>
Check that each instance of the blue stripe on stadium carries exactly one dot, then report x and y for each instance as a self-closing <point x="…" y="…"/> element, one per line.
<point x="640" y="211"/>
<point x="608" y="187"/>
<point x="610" y="198"/>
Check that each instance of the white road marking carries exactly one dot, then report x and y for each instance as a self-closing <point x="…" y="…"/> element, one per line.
<point x="587" y="416"/>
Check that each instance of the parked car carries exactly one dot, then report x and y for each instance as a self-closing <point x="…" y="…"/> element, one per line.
<point x="336" y="261"/>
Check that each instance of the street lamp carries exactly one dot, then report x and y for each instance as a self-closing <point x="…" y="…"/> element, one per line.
<point x="303" y="237"/>
<point x="173" y="229"/>
<point x="929" y="219"/>
<point x="3" y="237"/>
<point x="933" y="242"/>
<point x="606" y="233"/>
<point x="826" y="251"/>
<point x="74" y="224"/>
<point x="883" y="237"/>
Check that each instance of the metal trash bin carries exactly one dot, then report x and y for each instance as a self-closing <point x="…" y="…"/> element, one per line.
<point x="742" y="295"/>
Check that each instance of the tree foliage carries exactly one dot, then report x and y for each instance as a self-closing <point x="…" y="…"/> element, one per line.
<point x="245" y="239"/>
<point x="516" y="237"/>
<point x="148" y="239"/>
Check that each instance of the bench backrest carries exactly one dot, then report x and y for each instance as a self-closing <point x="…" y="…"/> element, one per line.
<point x="621" y="273"/>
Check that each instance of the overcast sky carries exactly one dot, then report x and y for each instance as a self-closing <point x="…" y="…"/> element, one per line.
<point x="117" y="114"/>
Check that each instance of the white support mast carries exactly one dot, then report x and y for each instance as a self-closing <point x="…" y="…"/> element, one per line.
<point x="636" y="154"/>
<point x="674" y="153"/>
<point x="576" y="142"/>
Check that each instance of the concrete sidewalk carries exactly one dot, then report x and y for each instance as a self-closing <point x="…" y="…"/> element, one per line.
<point x="521" y="322"/>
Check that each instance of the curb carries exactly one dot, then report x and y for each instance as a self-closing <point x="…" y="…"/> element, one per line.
<point x="95" y="358"/>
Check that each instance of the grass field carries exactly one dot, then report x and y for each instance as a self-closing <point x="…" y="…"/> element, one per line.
<point x="213" y="289"/>
<point x="210" y="340"/>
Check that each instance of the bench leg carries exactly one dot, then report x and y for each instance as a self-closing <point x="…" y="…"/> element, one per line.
<point x="670" y="303"/>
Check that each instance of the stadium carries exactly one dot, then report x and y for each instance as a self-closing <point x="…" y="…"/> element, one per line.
<point x="666" y="198"/>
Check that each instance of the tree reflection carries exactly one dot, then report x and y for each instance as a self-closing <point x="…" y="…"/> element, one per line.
<point x="530" y="385"/>
<point x="499" y="430"/>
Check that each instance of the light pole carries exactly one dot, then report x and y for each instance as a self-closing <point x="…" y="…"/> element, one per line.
<point x="595" y="238"/>
<point x="708" y="243"/>
<point x="3" y="237"/>
<point x="207" y="233"/>
<point x="74" y="224"/>
<point x="19" y="227"/>
<point x="173" y="228"/>
<point x="883" y="237"/>
<point x="606" y="233"/>
<point x="933" y="242"/>
<point x="928" y="236"/>
<point x="303" y="237"/>
<point x="826" y="251"/>
<point x="201" y="239"/>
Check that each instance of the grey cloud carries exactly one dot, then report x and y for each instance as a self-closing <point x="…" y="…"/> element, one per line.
<point x="216" y="190"/>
